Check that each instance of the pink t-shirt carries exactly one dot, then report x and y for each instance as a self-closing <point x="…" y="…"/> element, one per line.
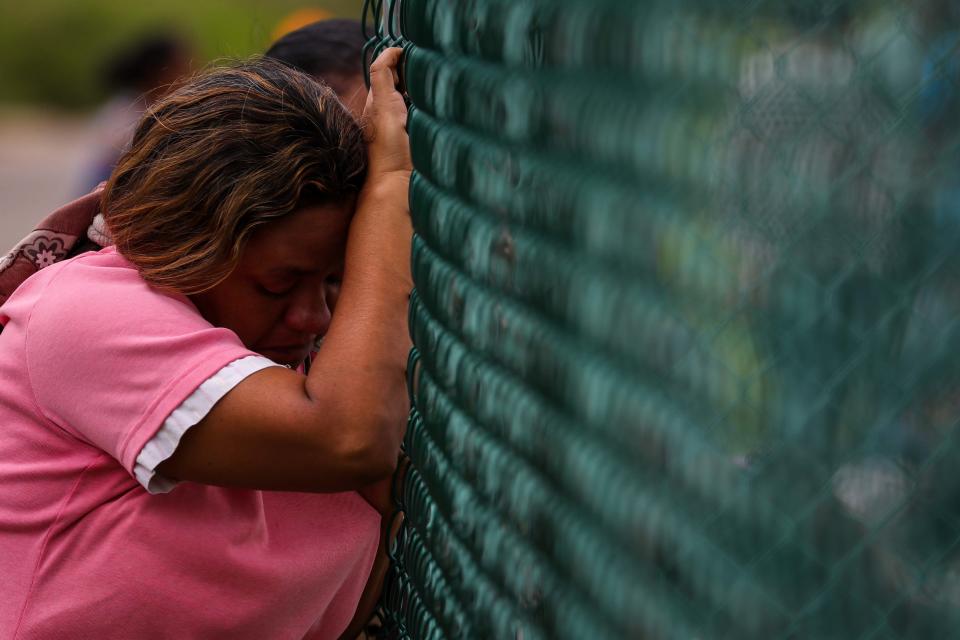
<point x="92" y="362"/>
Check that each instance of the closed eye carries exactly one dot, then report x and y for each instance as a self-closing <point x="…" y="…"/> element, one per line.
<point x="274" y="293"/>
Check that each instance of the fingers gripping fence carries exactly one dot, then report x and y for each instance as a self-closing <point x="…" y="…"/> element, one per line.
<point x="686" y="319"/>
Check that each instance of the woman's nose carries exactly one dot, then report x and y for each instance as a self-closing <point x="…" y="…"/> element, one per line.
<point x="310" y="312"/>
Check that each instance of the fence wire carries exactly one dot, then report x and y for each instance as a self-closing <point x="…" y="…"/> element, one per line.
<point x="687" y="297"/>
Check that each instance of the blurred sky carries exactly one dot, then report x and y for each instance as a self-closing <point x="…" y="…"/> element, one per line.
<point x="53" y="55"/>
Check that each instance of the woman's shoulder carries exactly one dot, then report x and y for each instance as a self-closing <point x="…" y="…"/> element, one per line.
<point x="98" y="287"/>
<point x="94" y="267"/>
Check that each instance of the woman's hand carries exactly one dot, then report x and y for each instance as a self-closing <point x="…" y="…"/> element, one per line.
<point x="385" y="118"/>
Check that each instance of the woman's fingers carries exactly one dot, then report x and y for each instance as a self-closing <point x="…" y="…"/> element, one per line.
<point x="386" y="116"/>
<point x="383" y="71"/>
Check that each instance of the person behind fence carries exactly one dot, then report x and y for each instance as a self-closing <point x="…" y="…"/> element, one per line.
<point x="169" y="467"/>
<point x="329" y="50"/>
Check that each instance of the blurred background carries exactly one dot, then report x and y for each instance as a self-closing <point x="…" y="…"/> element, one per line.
<point x="74" y="76"/>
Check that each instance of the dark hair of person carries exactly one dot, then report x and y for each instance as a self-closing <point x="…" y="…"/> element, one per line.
<point x="137" y="66"/>
<point x="328" y="49"/>
<point x="229" y="151"/>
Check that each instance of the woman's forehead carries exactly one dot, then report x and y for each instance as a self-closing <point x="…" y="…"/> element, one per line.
<point x="305" y="241"/>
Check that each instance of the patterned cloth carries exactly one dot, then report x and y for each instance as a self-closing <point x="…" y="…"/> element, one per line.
<point x="68" y="231"/>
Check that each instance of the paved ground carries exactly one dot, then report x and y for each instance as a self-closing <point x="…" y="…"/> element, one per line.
<point x="41" y="161"/>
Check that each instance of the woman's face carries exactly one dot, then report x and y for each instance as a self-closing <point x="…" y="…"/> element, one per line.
<point x="280" y="297"/>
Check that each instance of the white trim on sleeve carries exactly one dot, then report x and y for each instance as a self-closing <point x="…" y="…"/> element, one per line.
<point x="191" y="411"/>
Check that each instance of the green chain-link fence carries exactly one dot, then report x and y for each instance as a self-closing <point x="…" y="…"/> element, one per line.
<point x="686" y="314"/>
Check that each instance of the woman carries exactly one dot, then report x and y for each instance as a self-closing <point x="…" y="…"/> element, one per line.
<point x="239" y="222"/>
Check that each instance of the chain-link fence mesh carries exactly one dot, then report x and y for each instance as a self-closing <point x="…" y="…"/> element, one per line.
<point x="686" y="319"/>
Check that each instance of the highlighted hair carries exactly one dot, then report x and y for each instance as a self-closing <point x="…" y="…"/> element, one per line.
<point x="229" y="151"/>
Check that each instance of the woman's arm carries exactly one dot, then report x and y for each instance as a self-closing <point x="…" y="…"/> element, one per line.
<point x="339" y="428"/>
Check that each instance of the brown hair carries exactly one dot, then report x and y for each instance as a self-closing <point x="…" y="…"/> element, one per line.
<point x="229" y="151"/>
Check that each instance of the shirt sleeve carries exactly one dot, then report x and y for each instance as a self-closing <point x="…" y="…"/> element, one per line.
<point x="197" y="405"/>
<point x="109" y="358"/>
